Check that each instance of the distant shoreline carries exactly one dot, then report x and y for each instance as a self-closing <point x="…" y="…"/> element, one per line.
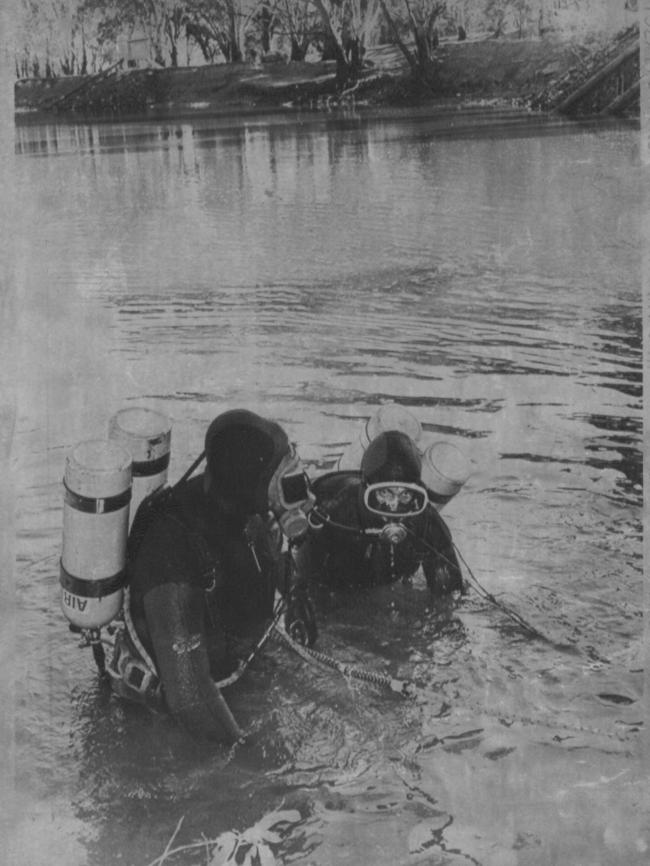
<point x="505" y="73"/>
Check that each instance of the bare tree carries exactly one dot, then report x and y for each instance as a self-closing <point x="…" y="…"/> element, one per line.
<point x="348" y="24"/>
<point x="52" y="37"/>
<point x="223" y="23"/>
<point x="419" y="19"/>
<point x="297" y="21"/>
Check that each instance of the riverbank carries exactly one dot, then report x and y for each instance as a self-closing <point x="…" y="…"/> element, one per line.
<point x="532" y="74"/>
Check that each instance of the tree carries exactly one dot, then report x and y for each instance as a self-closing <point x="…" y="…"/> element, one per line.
<point x="365" y="17"/>
<point x="52" y="38"/>
<point x="224" y="24"/>
<point x="162" y="22"/>
<point x="347" y="25"/>
<point x="518" y="13"/>
<point x="419" y="18"/>
<point x="297" y="20"/>
<point x="173" y="25"/>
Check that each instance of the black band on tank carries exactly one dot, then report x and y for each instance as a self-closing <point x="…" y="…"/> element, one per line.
<point x="437" y="498"/>
<point x="92" y="505"/>
<point x="92" y="588"/>
<point x="146" y="468"/>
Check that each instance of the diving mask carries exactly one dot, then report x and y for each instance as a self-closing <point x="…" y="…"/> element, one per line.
<point x="392" y="499"/>
<point x="290" y="495"/>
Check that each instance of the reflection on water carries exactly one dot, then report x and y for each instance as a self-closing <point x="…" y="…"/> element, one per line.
<point x="486" y="278"/>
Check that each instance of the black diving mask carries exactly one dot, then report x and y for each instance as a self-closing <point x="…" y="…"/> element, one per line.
<point x="290" y="495"/>
<point x="395" y="499"/>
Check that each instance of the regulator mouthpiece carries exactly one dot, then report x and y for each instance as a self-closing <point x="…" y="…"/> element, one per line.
<point x="393" y="533"/>
<point x="294" y="523"/>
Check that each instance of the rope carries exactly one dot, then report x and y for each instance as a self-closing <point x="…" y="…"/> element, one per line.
<point x="482" y="591"/>
<point x="534" y="632"/>
<point x="144" y="655"/>
<point x="401" y="687"/>
<point x="243" y="665"/>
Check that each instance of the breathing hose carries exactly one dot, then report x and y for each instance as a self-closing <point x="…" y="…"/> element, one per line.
<point x="402" y="687"/>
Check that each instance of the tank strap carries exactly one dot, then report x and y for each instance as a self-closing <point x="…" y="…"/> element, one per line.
<point x="147" y="468"/>
<point x="94" y="505"/>
<point x="91" y="588"/>
<point x="130" y="628"/>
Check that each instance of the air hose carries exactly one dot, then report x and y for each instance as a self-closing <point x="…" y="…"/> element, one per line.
<point x="402" y="687"/>
<point x="243" y="665"/>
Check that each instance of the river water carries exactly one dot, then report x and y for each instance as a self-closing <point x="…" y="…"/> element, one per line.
<point x="484" y="271"/>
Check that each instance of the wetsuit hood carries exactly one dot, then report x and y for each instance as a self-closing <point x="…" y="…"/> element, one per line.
<point x="391" y="456"/>
<point x="243" y="450"/>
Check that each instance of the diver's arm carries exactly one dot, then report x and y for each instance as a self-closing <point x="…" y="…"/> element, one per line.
<point x="300" y="616"/>
<point x="441" y="567"/>
<point x="175" y="619"/>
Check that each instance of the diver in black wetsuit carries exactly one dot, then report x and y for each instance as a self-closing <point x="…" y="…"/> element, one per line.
<point x="377" y="525"/>
<point x="206" y="566"/>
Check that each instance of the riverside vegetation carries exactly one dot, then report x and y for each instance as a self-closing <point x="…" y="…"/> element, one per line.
<point x="530" y="73"/>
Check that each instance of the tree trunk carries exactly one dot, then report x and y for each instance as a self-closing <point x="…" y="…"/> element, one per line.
<point x="266" y="30"/>
<point x="410" y="59"/>
<point x="235" y="50"/>
<point x="298" y="50"/>
<point x="421" y="45"/>
<point x="343" y="70"/>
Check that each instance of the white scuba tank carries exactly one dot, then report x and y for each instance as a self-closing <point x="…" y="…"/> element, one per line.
<point x="445" y="468"/>
<point x="97" y="485"/>
<point x="390" y="416"/>
<point x="146" y="435"/>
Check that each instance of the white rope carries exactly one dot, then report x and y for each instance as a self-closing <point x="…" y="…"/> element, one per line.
<point x="130" y="628"/>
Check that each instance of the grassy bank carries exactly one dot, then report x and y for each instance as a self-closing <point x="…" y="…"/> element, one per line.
<point x="528" y="73"/>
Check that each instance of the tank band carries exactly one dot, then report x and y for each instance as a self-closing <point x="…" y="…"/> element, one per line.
<point x="91" y="505"/>
<point x="147" y="468"/>
<point x="437" y="498"/>
<point x="92" y="588"/>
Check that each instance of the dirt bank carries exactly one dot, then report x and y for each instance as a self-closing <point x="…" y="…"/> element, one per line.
<point x="530" y="73"/>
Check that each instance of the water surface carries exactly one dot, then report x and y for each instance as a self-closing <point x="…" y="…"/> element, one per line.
<point x="488" y="279"/>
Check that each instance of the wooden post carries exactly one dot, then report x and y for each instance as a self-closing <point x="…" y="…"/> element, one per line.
<point x="599" y="76"/>
<point x="624" y="99"/>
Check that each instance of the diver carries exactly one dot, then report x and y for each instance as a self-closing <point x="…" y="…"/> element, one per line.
<point x="204" y="560"/>
<point x="377" y="525"/>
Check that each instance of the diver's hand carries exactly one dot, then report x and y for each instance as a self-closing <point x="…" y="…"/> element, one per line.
<point x="300" y="618"/>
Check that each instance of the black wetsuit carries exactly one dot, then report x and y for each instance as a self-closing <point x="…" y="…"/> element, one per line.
<point x="202" y="586"/>
<point x="339" y="555"/>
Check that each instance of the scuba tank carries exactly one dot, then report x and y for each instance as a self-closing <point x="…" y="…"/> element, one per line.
<point x="146" y="435"/>
<point x="390" y="416"/>
<point x="97" y="484"/>
<point x="105" y="480"/>
<point x="445" y="468"/>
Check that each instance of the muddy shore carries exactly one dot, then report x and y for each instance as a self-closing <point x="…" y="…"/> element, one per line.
<point x="522" y="73"/>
